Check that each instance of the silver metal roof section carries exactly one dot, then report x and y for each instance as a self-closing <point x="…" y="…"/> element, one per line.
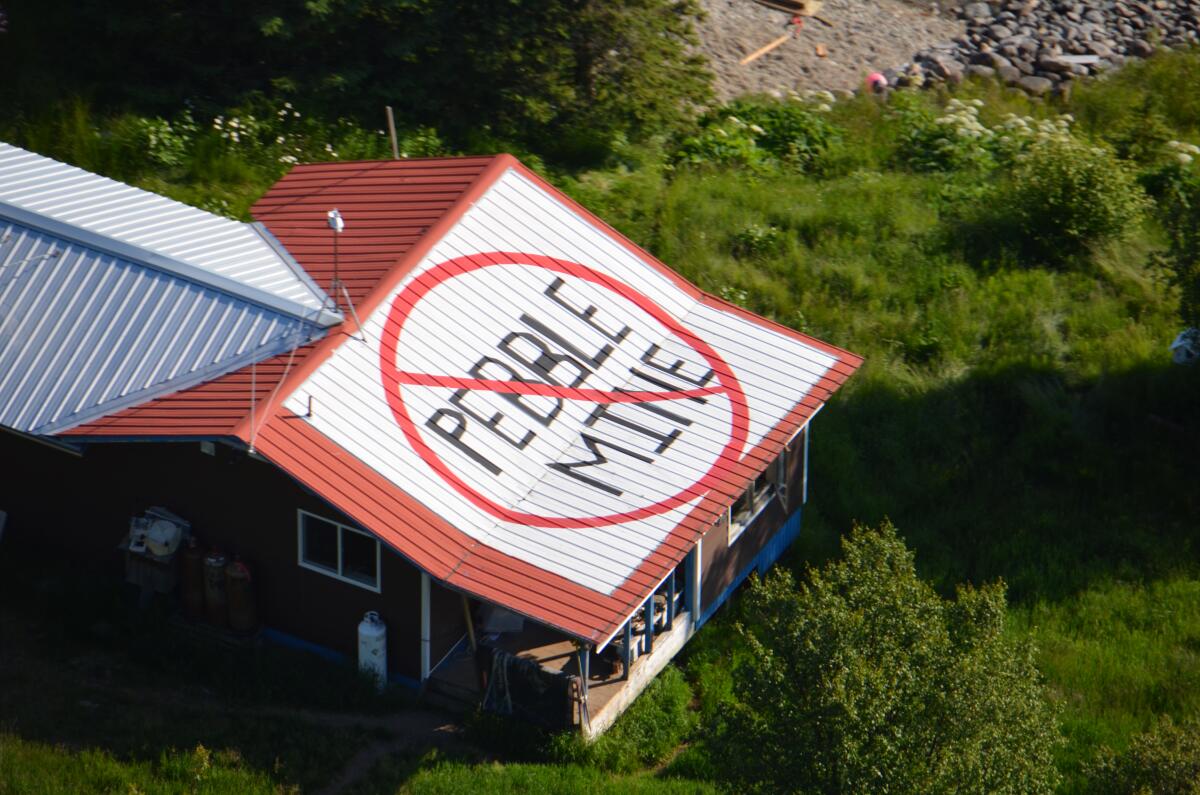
<point x="111" y="296"/>
<point x="84" y="333"/>
<point x="243" y="259"/>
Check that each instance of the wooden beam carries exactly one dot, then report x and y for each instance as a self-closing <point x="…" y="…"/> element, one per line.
<point x="766" y="48"/>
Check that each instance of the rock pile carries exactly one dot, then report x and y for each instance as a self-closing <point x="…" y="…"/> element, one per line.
<point x="1041" y="45"/>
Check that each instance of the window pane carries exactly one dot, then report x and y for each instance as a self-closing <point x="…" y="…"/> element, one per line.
<point x="319" y="542"/>
<point x="358" y="556"/>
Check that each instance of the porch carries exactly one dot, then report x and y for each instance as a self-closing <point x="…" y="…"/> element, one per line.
<point x="546" y="677"/>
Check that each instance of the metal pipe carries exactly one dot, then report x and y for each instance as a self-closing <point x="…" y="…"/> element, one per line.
<point x="425" y="623"/>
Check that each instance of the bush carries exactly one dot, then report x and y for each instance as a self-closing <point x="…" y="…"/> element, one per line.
<point x="1162" y="761"/>
<point x="1179" y="211"/>
<point x="1065" y="197"/>
<point x="758" y="133"/>
<point x="863" y="679"/>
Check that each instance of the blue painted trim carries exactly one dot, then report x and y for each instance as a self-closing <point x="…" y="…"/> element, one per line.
<point x="280" y="638"/>
<point x="765" y="558"/>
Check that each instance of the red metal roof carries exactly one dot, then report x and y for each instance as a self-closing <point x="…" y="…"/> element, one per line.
<point x="393" y="203"/>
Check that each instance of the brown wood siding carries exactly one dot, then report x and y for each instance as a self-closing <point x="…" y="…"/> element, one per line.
<point x="723" y="561"/>
<point x="237" y="504"/>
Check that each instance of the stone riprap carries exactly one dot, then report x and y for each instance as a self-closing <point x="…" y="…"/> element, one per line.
<point x="1043" y="45"/>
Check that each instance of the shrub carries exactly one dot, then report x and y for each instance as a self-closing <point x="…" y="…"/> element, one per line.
<point x="1066" y="197"/>
<point x="761" y="132"/>
<point x="953" y="141"/>
<point x="1164" y="761"/>
<point x="1178" y="188"/>
<point x="863" y="679"/>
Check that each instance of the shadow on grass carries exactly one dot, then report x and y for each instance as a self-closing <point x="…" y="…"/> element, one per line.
<point x="83" y="667"/>
<point x="1021" y="473"/>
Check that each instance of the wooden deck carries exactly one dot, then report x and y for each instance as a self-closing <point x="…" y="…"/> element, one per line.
<point x="458" y="678"/>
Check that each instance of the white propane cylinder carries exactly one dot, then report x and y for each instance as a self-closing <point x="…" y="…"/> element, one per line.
<point x="372" y="647"/>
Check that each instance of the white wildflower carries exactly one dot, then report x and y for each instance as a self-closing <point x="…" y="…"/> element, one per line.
<point x="1184" y="158"/>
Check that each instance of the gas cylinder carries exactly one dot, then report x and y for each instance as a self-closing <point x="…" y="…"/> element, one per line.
<point x="215" y="602"/>
<point x="372" y="647"/>
<point x="193" y="580"/>
<point x="239" y="589"/>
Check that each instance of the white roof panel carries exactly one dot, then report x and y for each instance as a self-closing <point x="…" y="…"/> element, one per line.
<point x="540" y="386"/>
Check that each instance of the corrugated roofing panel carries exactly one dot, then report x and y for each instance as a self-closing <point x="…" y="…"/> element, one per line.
<point x="84" y="333"/>
<point x="229" y="249"/>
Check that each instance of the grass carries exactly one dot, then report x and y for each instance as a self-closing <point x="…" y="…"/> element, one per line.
<point x="28" y="768"/>
<point x="1118" y="655"/>
<point x="1017" y="419"/>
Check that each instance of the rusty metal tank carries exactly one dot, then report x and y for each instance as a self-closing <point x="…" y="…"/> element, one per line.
<point x="216" y="603"/>
<point x="192" y="587"/>
<point x="239" y="590"/>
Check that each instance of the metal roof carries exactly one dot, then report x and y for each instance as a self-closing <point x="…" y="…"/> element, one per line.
<point x="84" y="332"/>
<point x="392" y="203"/>
<point x="144" y="226"/>
<point x="537" y="411"/>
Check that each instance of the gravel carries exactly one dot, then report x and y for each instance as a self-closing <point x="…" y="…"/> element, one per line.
<point x="866" y="36"/>
<point x="1040" y="46"/>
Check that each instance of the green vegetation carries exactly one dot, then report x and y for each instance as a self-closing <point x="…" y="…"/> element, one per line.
<point x="884" y="684"/>
<point x="1013" y="271"/>
<point x="36" y="769"/>
<point x="1163" y="761"/>
<point x="566" y="78"/>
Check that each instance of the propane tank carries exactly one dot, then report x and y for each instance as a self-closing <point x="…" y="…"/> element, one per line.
<point x="193" y="580"/>
<point x="243" y="614"/>
<point x="215" y="603"/>
<point x="372" y="647"/>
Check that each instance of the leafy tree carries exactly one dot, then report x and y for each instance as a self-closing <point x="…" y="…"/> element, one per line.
<point x="1163" y="761"/>
<point x="1179" y="210"/>
<point x="863" y="679"/>
<point x="565" y="76"/>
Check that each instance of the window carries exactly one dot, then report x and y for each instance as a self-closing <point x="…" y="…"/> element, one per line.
<point x="339" y="551"/>
<point x="757" y="496"/>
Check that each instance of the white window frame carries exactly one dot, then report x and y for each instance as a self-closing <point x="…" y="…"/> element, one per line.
<point x="775" y="490"/>
<point x="377" y="587"/>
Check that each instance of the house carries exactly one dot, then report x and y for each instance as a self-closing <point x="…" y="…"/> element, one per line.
<point x="542" y="457"/>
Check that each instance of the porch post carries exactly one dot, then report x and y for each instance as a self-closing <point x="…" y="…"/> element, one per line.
<point x="804" y="474"/>
<point x="671" y="600"/>
<point x="695" y="579"/>
<point x="585" y="666"/>
<point x="425" y="622"/>
<point x="628" y="647"/>
<point x="648" y="637"/>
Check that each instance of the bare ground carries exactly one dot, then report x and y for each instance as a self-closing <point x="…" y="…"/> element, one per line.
<point x="863" y="36"/>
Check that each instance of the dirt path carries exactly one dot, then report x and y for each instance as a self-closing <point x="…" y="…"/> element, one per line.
<point x="865" y="36"/>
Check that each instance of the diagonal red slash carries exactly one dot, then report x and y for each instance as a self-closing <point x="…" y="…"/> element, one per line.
<point x="538" y="389"/>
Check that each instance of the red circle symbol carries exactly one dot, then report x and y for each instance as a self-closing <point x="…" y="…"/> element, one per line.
<point x="395" y="379"/>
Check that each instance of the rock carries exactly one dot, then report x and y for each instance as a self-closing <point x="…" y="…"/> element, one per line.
<point x="982" y="72"/>
<point x="999" y="32"/>
<point x="991" y="59"/>
<point x="977" y="11"/>
<point x="1141" y="48"/>
<point x="1037" y="86"/>
<point x="1009" y="74"/>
